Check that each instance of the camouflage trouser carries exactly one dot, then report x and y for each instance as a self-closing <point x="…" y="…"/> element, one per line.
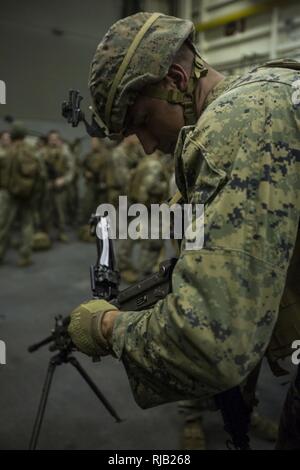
<point x="72" y="202"/>
<point x="57" y="204"/>
<point x="289" y="429"/>
<point x="11" y="210"/>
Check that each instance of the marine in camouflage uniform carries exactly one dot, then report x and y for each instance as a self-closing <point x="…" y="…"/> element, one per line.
<point x="5" y="143"/>
<point x="22" y="180"/>
<point x="73" y="205"/>
<point x="41" y="239"/>
<point x="239" y="155"/>
<point x="60" y="171"/>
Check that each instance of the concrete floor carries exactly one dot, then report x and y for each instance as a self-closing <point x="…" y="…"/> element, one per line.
<point x="74" y="419"/>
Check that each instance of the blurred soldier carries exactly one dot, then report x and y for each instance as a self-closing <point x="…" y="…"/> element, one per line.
<point x="94" y="168"/>
<point x="60" y="171"/>
<point x="124" y="158"/>
<point x="122" y="164"/>
<point x="21" y="182"/>
<point x="72" y="205"/>
<point x="5" y="142"/>
<point x="41" y="238"/>
<point x="149" y="185"/>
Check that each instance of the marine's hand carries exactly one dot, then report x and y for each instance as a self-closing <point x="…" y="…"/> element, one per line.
<point x="91" y="327"/>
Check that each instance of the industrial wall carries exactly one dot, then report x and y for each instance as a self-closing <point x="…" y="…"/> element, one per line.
<point x="45" y="49"/>
<point x="236" y="34"/>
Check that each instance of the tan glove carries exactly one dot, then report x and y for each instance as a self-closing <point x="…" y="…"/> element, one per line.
<point x="85" y="327"/>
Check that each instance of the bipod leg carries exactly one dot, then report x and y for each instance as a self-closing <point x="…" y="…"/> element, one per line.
<point x="94" y="387"/>
<point x="42" y="405"/>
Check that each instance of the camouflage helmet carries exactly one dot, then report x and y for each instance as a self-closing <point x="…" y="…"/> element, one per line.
<point x="135" y="52"/>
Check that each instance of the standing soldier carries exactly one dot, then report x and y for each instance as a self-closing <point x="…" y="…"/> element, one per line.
<point x="123" y="162"/>
<point x="74" y="149"/>
<point x="21" y="182"/>
<point x="124" y="158"/>
<point x="5" y="142"/>
<point x="94" y="168"/>
<point x="41" y="238"/>
<point x="60" y="172"/>
<point x="149" y="185"/>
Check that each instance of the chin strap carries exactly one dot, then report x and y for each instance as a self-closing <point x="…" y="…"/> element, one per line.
<point x="185" y="98"/>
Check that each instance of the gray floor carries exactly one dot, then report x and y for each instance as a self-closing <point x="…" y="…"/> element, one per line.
<point x="55" y="284"/>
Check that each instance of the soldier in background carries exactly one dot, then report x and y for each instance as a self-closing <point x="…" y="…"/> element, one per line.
<point x="41" y="238"/>
<point x="5" y="140"/>
<point x="5" y="143"/>
<point x="149" y="185"/>
<point x="22" y="180"/>
<point x="124" y="158"/>
<point x="94" y="170"/>
<point x="123" y="162"/>
<point x="60" y="173"/>
<point x="72" y="206"/>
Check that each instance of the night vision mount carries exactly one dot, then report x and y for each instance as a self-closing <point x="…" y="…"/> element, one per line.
<point x="74" y="115"/>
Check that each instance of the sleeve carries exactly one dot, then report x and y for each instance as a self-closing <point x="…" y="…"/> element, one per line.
<point x="211" y="332"/>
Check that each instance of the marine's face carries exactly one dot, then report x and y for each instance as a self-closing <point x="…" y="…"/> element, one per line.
<point x="156" y="123"/>
<point x="95" y="143"/>
<point x="5" y="139"/>
<point x="54" y="139"/>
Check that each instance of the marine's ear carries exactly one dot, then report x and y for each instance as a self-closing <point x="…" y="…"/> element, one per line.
<point x="177" y="77"/>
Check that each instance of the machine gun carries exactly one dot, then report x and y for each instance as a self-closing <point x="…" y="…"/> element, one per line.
<point x="104" y="285"/>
